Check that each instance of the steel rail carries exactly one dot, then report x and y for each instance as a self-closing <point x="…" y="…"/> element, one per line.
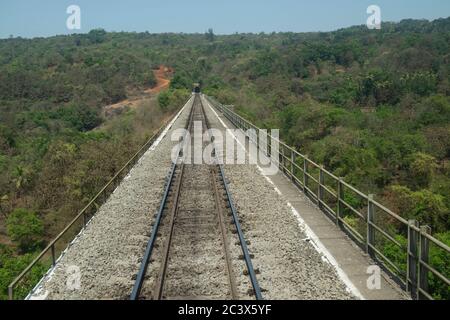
<point x="223" y="232"/>
<point x="243" y="243"/>
<point x="151" y="243"/>
<point x="159" y="287"/>
<point x="220" y="213"/>
<point x="160" y="281"/>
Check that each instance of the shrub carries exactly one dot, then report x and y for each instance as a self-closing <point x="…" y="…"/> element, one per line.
<point x="25" y="228"/>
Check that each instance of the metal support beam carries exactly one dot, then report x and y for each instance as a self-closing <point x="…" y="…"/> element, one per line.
<point x="320" y="194"/>
<point x="424" y="257"/>
<point x="370" y="240"/>
<point x="413" y="238"/>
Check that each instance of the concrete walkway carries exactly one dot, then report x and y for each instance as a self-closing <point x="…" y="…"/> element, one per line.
<point x="347" y="256"/>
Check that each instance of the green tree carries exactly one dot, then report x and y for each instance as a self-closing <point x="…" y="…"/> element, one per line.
<point x="11" y="266"/>
<point x="97" y="35"/>
<point x="22" y="177"/>
<point x="425" y="206"/>
<point x="440" y="260"/>
<point x="26" y="229"/>
<point x="421" y="169"/>
<point x="164" y="100"/>
<point x="6" y="138"/>
<point x="210" y="35"/>
<point x="80" y="116"/>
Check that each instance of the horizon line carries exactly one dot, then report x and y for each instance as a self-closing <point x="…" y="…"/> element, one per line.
<point x="12" y="37"/>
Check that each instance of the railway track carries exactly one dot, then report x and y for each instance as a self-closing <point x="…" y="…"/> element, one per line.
<point x="188" y="255"/>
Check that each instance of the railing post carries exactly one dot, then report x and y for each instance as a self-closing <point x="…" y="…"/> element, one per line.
<point x="10" y="292"/>
<point x="281" y="159"/>
<point x="340" y="197"/>
<point x="412" y="258"/>
<point x="292" y="165"/>
<point x="53" y="255"/>
<point x="84" y="220"/>
<point x="320" y="188"/>
<point x="424" y="257"/>
<point x="305" y="176"/>
<point x="257" y="141"/>
<point x="370" y="236"/>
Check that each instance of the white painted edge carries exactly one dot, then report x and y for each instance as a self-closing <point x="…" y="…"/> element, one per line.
<point x="36" y="292"/>
<point x="315" y="241"/>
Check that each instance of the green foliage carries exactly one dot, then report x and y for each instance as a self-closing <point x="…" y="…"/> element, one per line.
<point x="378" y="87"/>
<point x="180" y="81"/>
<point x="396" y="254"/>
<point x="97" y="35"/>
<point x="425" y="206"/>
<point x="172" y="99"/>
<point x="421" y="83"/>
<point x="164" y="100"/>
<point x="115" y="89"/>
<point x="11" y="266"/>
<point x="80" y="117"/>
<point x="6" y="138"/>
<point x="210" y="35"/>
<point x="422" y="167"/>
<point x="434" y="110"/>
<point x="22" y="177"/>
<point x="440" y="260"/>
<point x="25" y="228"/>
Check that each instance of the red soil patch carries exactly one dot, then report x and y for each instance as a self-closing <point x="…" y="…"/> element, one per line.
<point x="162" y="76"/>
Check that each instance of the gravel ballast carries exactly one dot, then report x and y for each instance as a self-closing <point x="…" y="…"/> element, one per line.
<point x="108" y="252"/>
<point x="289" y="264"/>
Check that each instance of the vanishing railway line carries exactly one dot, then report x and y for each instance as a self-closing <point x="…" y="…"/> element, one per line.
<point x="189" y="254"/>
<point x="196" y="247"/>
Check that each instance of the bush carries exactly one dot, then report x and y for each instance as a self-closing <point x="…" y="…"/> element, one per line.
<point x="425" y="206"/>
<point x="440" y="260"/>
<point x="164" y="100"/>
<point x="6" y="138"/>
<point x="11" y="266"/>
<point x="80" y="117"/>
<point x="421" y="169"/>
<point x="26" y="229"/>
<point x="172" y="99"/>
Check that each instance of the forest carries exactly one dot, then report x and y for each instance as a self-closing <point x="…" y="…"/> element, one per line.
<point x="373" y="106"/>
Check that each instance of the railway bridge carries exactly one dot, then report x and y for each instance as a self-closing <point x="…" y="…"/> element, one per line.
<point x="171" y="225"/>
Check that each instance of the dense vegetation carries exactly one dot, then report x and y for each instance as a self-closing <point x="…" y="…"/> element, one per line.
<point x="372" y="105"/>
<point x="57" y="148"/>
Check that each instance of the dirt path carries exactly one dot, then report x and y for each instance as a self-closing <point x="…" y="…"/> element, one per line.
<point x="162" y="76"/>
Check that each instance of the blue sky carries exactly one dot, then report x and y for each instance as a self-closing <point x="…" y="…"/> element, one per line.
<point x="48" y="17"/>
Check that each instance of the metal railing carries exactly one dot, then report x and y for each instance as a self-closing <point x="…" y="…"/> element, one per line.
<point x="366" y="221"/>
<point x="64" y="239"/>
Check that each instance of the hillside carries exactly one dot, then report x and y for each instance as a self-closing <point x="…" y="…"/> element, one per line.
<point x="372" y="105"/>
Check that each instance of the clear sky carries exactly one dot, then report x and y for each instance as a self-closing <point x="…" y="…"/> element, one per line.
<point x="32" y="18"/>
